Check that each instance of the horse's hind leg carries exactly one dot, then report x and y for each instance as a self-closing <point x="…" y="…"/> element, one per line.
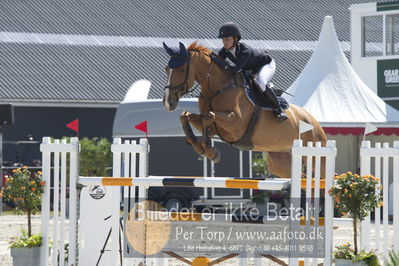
<point x="279" y="164"/>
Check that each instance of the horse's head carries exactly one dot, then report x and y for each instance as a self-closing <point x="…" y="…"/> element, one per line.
<point x="180" y="78"/>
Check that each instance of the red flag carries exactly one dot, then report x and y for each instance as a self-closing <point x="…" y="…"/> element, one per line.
<point x="74" y="125"/>
<point x="142" y="127"/>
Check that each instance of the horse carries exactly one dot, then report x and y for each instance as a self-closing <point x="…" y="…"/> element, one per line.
<point x="226" y="111"/>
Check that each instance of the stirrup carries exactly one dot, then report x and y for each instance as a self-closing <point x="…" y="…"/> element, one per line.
<point x="280" y="115"/>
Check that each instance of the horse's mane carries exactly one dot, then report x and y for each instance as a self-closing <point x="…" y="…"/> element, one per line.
<point x="195" y="47"/>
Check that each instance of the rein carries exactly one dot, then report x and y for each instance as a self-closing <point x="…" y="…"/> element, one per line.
<point x="184" y="83"/>
<point x="209" y="99"/>
<point x="218" y="92"/>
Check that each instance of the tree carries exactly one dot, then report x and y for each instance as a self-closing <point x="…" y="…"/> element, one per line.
<point x="95" y="157"/>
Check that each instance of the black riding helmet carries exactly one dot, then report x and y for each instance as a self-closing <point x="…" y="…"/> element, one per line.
<point x="229" y="29"/>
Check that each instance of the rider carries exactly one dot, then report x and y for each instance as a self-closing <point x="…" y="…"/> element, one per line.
<point x="244" y="58"/>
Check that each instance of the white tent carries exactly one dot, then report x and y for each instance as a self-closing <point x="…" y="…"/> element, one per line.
<point x="330" y="89"/>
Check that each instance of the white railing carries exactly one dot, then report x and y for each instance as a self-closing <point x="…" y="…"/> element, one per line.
<point x="382" y="161"/>
<point x="55" y="156"/>
<point x="124" y="165"/>
<point x="322" y="157"/>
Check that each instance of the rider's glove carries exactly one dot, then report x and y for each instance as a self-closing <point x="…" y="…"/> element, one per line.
<point x="230" y="68"/>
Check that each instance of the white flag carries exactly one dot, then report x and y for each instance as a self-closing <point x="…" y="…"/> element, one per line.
<point x="369" y="128"/>
<point x="303" y="127"/>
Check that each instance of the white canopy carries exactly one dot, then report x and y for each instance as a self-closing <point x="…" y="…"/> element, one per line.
<point x="330" y="89"/>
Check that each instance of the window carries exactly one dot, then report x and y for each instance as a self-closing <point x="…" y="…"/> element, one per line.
<point x="392" y="34"/>
<point x="372" y="34"/>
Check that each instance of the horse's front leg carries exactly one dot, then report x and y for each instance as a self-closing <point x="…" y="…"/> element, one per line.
<point x="209" y="130"/>
<point x="196" y="120"/>
<point x="211" y="152"/>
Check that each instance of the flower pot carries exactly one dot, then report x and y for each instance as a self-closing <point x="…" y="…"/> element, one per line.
<point x="346" y="262"/>
<point x="25" y="256"/>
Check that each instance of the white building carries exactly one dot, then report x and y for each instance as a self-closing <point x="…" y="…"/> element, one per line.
<point x="375" y="47"/>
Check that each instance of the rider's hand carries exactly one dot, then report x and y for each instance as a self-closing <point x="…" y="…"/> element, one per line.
<point x="230" y="69"/>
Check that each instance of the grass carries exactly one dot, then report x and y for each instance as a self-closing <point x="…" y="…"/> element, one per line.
<point x="7" y="213"/>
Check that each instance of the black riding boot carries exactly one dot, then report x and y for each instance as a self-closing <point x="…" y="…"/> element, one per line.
<point x="277" y="111"/>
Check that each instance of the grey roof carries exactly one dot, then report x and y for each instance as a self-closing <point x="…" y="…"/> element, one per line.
<point x="259" y="19"/>
<point x="57" y="73"/>
<point x="102" y="74"/>
<point x="77" y="73"/>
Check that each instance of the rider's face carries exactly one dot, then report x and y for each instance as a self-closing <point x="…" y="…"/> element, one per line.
<point x="228" y="42"/>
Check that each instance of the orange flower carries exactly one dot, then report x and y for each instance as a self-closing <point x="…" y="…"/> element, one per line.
<point x="33" y="189"/>
<point x="1" y="195"/>
<point x="350" y="195"/>
<point x="32" y="182"/>
<point x="381" y="203"/>
<point x="26" y="167"/>
<point x="42" y="183"/>
<point x="16" y="170"/>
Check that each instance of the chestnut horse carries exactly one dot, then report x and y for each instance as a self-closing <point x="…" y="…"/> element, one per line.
<point x="226" y="111"/>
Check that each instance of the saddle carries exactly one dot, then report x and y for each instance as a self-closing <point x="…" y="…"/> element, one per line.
<point x="253" y="93"/>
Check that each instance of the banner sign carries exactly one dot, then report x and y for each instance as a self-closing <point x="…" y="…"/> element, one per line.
<point x="388" y="78"/>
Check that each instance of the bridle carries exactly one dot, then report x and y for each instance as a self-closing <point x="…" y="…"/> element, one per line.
<point x="188" y="90"/>
<point x="183" y="85"/>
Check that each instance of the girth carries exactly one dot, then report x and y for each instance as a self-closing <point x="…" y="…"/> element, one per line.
<point x="244" y="143"/>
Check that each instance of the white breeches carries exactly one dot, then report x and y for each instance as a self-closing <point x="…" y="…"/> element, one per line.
<point x="265" y="74"/>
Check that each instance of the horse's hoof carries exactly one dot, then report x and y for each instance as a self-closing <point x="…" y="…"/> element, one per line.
<point x="201" y="152"/>
<point x="217" y="156"/>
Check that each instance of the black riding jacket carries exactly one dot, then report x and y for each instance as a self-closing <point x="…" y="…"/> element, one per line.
<point x="247" y="58"/>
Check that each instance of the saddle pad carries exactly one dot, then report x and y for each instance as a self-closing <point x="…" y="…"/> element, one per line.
<point x="256" y="100"/>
